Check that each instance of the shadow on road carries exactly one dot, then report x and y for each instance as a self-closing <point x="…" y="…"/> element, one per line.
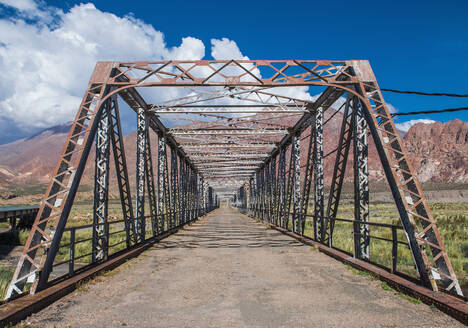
<point x="218" y="235"/>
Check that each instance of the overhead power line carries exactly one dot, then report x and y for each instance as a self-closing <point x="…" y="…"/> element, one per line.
<point x="435" y="111"/>
<point x="427" y="93"/>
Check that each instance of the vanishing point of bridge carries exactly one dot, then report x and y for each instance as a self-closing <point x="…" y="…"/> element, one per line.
<point x="237" y="140"/>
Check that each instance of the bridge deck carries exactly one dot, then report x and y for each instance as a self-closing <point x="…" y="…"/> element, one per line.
<point x="229" y="271"/>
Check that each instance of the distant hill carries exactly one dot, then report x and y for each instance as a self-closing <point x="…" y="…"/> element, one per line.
<point x="439" y="152"/>
<point x="30" y="160"/>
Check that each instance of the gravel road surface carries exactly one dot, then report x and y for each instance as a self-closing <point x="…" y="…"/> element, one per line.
<point x="228" y="271"/>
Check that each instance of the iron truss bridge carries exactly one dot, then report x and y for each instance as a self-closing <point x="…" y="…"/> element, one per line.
<point x="233" y="134"/>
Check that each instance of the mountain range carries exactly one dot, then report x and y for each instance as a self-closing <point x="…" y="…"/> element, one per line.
<point x="438" y="151"/>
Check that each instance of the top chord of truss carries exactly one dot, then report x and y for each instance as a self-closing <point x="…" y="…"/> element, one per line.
<point x="231" y="72"/>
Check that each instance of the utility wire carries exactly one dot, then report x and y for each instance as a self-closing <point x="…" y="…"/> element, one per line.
<point x="435" y="111"/>
<point x="427" y="93"/>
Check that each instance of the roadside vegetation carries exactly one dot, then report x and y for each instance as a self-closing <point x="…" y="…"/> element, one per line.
<point x="5" y="276"/>
<point x="452" y="222"/>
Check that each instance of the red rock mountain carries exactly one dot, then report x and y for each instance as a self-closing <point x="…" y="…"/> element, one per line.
<point x="439" y="152"/>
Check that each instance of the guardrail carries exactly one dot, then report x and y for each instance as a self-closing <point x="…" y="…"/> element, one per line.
<point x="73" y="233"/>
<point x="393" y="239"/>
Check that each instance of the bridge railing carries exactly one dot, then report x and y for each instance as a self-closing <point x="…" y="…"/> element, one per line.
<point x="77" y="252"/>
<point x="377" y="259"/>
<point x="394" y="254"/>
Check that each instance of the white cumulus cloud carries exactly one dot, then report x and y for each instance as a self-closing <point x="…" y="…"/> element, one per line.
<point x="405" y="126"/>
<point x="225" y="49"/>
<point x="47" y="56"/>
<point x="46" y="67"/>
<point x="22" y="5"/>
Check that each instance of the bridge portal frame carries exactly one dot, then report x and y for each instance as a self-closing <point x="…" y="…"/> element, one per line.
<point x="238" y="78"/>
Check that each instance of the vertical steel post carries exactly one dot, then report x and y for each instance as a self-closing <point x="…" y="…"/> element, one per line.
<point x="361" y="185"/>
<point x="150" y="184"/>
<point x="193" y="197"/>
<point x="282" y="188"/>
<point x="182" y="190"/>
<point x="318" y="170"/>
<point x="257" y="195"/>
<point x="290" y="189"/>
<point x="162" y="182"/>
<point x="101" y="187"/>
<point x="200" y="196"/>
<point x="296" y="176"/>
<point x="71" y="264"/>
<point x="273" y="190"/>
<point x="261" y="204"/>
<point x="142" y="125"/>
<point x="266" y="193"/>
<point x="252" y="195"/>
<point x="174" y="189"/>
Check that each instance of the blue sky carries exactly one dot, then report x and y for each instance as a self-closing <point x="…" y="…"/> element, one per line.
<point x="412" y="45"/>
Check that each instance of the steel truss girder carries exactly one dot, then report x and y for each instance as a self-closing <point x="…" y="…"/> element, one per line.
<point x="232" y="72"/>
<point x="49" y="224"/>
<point x="244" y="121"/>
<point x="249" y="95"/>
<point x="207" y="173"/>
<point x="227" y="150"/>
<point x="199" y="96"/>
<point x="245" y="95"/>
<point x="248" y="143"/>
<point x="409" y="198"/>
<point x="414" y="212"/>
<point x="226" y="166"/>
<point x="242" y="109"/>
<point x="227" y="154"/>
<point x="210" y="139"/>
<point x="231" y="111"/>
<point x="227" y="175"/>
<point x="246" y="161"/>
<point x="411" y="203"/>
<point x="239" y="156"/>
<point x="224" y="132"/>
<point x="226" y="146"/>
